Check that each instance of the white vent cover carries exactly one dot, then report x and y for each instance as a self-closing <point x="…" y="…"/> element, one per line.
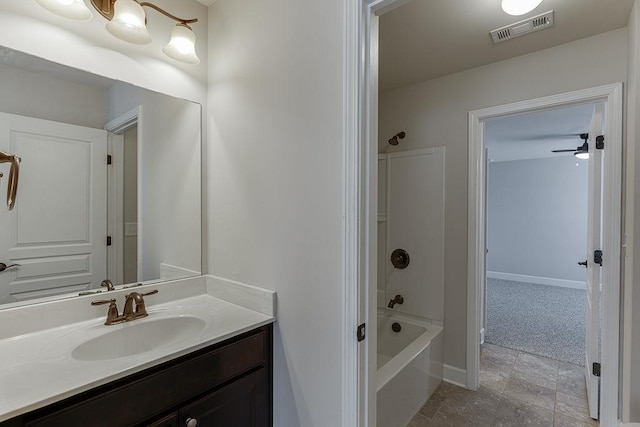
<point x="539" y="22"/>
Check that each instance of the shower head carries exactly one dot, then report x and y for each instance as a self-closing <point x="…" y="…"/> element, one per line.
<point x="396" y="138"/>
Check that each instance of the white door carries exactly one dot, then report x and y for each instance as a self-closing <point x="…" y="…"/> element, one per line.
<point x="594" y="235"/>
<point x="57" y="230"/>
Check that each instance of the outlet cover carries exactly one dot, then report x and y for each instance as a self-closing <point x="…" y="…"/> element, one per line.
<point x="131" y="229"/>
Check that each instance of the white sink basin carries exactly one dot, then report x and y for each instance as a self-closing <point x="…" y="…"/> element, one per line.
<point x="138" y="336"/>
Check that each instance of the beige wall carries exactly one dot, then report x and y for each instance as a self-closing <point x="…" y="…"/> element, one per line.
<point x="631" y="294"/>
<point x="435" y="113"/>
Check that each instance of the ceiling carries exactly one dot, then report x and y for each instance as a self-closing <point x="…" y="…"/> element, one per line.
<point x="425" y="39"/>
<point x="534" y="135"/>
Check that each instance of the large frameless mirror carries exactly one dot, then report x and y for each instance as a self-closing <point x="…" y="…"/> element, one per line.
<point x="108" y="182"/>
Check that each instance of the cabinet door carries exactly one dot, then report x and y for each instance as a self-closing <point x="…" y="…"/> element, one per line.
<point x="240" y="404"/>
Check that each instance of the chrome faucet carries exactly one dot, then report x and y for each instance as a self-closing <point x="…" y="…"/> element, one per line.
<point x="130" y="312"/>
<point x="396" y="300"/>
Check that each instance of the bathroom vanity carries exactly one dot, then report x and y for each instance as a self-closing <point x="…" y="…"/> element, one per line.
<point x="217" y="370"/>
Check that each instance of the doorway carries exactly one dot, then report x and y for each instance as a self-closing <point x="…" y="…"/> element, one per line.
<point x="608" y="274"/>
<point x="535" y="299"/>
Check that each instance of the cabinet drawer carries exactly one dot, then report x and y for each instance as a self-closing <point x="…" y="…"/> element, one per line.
<point x="242" y="403"/>
<point x="134" y="401"/>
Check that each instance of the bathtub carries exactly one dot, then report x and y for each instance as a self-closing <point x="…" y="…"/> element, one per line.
<point x="409" y="368"/>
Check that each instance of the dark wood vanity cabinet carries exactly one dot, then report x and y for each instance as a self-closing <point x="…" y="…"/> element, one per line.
<point x="228" y="384"/>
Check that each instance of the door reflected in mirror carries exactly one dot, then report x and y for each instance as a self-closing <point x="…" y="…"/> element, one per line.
<point x="109" y="182"/>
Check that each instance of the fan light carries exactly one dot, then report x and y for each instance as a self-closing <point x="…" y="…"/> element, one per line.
<point x="519" y="7"/>
<point x="582" y="155"/>
<point x="71" y="9"/>
<point x="182" y="46"/>
<point x="128" y="22"/>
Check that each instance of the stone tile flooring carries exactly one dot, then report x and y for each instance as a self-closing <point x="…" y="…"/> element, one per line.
<point x="516" y="389"/>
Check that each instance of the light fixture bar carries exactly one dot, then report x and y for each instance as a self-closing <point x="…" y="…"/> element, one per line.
<point x="105" y="8"/>
<point x="167" y="14"/>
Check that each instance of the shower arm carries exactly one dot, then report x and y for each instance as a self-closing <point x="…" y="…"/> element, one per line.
<point x="14" y="173"/>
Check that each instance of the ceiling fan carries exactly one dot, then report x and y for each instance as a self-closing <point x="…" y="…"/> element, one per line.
<point x="581" y="152"/>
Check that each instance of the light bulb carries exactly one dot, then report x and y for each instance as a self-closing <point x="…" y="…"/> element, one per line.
<point x="71" y="9"/>
<point x="182" y="46"/>
<point x="582" y="155"/>
<point x="128" y="22"/>
<point x="519" y="7"/>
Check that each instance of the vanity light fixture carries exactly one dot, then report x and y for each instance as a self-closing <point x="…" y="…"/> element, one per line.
<point x="71" y="9"/>
<point x="582" y="155"/>
<point x="519" y="7"/>
<point x="127" y="21"/>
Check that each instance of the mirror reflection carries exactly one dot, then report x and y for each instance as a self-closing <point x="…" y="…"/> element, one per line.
<point x="101" y="181"/>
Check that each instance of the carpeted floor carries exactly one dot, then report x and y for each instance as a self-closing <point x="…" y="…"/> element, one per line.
<point x="544" y="320"/>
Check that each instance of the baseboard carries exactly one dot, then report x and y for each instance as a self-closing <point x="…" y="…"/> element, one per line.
<point x="629" y="424"/>
<point x="455" y="376"/>
<point x="549" y="281"/>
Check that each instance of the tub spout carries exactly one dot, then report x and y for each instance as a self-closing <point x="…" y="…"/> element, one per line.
<point x="396" y="300"/>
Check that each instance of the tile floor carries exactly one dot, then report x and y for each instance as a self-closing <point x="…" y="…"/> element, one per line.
<point x="516" y="389"/>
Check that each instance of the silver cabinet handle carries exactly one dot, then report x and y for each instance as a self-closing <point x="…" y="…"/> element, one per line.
<point x="4" y="266"/>
<point x="192" y="422"/>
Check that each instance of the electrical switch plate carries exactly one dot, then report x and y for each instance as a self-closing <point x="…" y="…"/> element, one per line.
<point x="131" y="229"/>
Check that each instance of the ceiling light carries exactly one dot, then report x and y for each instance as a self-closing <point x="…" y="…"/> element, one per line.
<point x="519" y="7"/>
<point x="127" y="21"/>
<point x="582" y="155"/>
<point x="72" y="9"/>
<point x="182" y="46"/>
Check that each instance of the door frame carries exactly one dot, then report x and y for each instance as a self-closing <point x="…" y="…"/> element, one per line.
<point x="115" y="190"/>
<point x="612" y="97"/>
<point x="360" y="178"/>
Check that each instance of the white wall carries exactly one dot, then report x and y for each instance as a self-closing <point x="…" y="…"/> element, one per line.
<point x="631" y="294"/>
<point x="49" y="98"/>
<point x="416" y="224"/>
<point x="276" y="126"/>
<point x="169" y="226"/>
<point x="537" y="217"/>
<point x="435" y="113"/>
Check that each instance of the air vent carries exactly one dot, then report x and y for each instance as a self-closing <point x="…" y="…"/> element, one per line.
<point x="521" y="28"/>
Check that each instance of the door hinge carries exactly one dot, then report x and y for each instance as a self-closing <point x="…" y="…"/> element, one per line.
<point x="597" y="257"/>
<point x="108" y="240"/>
<point x="361" y="333"/>
<point x="109" y="160"/>
<point x="600" y="142"/>
<point x="596" y="369"/>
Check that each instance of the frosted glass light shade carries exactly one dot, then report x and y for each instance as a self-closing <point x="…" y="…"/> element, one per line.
<point x="71" y="9"/>
<point x="582" y="155"/>
<point x="519" y="7"/>
<point x="128" y="22"/>
<point x="182" y="46"/>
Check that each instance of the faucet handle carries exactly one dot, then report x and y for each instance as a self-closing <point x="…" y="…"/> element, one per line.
<point x="103" y="301"/>
<point x="112" y="312"/>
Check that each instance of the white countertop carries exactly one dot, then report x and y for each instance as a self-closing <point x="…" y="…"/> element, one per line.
<point x="37" y="368"/>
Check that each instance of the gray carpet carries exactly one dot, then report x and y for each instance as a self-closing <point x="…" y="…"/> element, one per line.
<point x="544" y="320"/>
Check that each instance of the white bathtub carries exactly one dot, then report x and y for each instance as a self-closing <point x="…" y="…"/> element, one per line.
<point x="409" y="368"/>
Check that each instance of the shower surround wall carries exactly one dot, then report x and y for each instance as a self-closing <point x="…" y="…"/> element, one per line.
<point x="411" y="217"/>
